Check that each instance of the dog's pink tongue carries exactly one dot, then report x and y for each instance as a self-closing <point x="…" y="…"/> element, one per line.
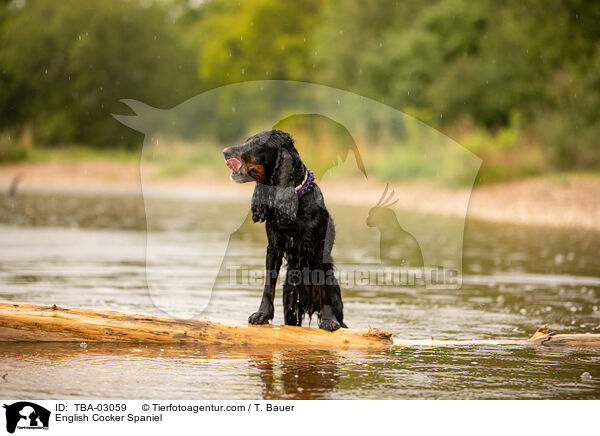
<point x="233" y="164"/>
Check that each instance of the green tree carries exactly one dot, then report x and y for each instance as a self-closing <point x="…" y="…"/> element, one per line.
<point x="68" y="64"/>
<point x="248" y="40"/>
<point x="489" y="61"/>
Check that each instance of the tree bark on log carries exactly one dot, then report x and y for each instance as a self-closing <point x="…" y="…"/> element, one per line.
<point x="36" y="323"/>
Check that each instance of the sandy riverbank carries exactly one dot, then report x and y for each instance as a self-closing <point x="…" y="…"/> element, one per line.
<point x="571" y="200"/>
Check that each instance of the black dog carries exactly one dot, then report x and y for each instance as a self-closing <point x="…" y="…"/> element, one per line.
<point x="298" y="226"/>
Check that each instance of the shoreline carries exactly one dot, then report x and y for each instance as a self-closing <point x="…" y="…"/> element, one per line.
<point x="555" y="200"/>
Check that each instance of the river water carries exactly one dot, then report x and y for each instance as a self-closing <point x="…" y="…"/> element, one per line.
<point x="90" y="251"/>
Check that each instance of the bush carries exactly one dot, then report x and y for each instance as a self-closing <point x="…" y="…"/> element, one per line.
<point x="11" y="150"/>
<point x="67" y="64"/>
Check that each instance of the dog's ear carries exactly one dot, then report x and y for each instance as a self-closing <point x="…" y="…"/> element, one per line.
<point x="273" y="201"/>
<point x="285" y="205"/>
<point x="260" y="202"/>
<point x="278" y="199"/>
<point x="288" y="163"/>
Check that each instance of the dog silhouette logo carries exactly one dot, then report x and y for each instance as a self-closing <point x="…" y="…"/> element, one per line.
<point x="26" y="415"/>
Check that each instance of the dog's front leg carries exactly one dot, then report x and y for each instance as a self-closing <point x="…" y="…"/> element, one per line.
<point x="331" y="314"/>
<point x="266" y="310"/>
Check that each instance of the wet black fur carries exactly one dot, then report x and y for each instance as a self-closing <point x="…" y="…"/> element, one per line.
<point x="299" y="230"/>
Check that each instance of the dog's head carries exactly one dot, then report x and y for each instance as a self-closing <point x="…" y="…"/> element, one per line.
<point x="267" y="157"/>
<point x="270" y="159"/>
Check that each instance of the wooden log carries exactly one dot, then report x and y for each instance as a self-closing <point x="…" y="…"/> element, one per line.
<point x="35" y="323"/>
<point x="539" y="338"/>
<point x="588" y="340"/>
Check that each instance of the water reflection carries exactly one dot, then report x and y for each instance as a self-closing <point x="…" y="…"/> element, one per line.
<point x="295" y="375"/>
<point x="63" y="370"/>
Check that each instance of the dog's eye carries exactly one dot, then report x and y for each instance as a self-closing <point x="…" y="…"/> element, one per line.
<point x="255" y="140"/>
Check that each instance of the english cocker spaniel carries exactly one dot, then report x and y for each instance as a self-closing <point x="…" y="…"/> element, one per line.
<point x="299" y="229"/>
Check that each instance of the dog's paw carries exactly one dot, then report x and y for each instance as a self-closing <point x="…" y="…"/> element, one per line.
<point x="258" y="318"/>
<point x="329" y="324"/>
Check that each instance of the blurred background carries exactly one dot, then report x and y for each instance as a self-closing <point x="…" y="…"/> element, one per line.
<point x="515" y="82"/>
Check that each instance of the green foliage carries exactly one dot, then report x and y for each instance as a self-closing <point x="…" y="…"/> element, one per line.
<point x="12" y="151"/>
<point x="249" y="40"/>
<point x="447" y="60"/>
<point x="524" y="74"/>
<point x="68" y="64"/>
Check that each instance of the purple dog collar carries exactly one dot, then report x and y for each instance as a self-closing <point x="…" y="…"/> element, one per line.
<point x="307" y="184"/>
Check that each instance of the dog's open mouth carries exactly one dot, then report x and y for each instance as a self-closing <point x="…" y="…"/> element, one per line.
<point x="236" y="175"/>
<point x="233" y="164"/>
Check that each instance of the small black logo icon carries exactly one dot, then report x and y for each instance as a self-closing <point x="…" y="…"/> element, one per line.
<point x="26" y="415"/>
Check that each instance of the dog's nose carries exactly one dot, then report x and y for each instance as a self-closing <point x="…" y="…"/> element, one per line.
<point x="227" y="152"/>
